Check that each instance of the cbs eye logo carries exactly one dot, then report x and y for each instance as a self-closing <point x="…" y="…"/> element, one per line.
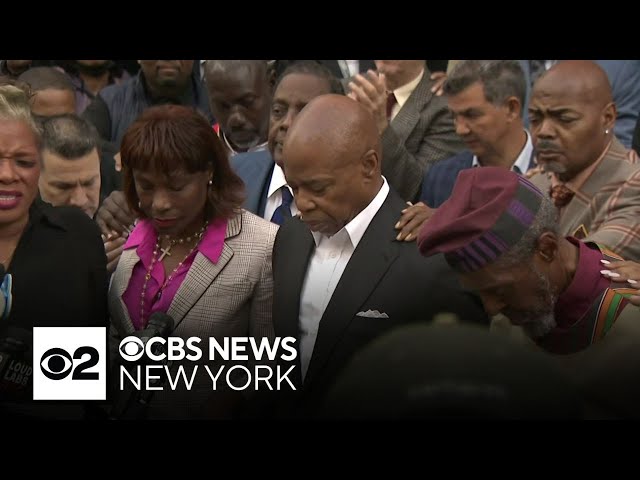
<point x="57" y="364"/>
<point x="131" y="348"/>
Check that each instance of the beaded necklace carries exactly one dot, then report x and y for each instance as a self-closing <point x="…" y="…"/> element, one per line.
<point x="165" y="252"/>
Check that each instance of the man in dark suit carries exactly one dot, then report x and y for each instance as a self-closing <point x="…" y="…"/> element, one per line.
<point x="414" y="124"/>
<point x="340" y="278"/>
<point x="486" y="98"/>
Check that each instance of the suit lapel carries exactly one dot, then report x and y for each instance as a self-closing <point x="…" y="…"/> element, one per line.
<point x="376" y="251"/>
<point x="407" y="118"/>
<point x="297" y="248"/>
<point x="201" y="275"/>
<point x="294" y="252"/>
<point x="257" y="177"/>
<point x="121" y="278"/>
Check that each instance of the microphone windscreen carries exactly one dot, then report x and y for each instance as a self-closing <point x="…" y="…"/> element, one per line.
<point x="161" y="323"/>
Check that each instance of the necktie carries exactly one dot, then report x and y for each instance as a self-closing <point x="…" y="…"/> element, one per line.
<point x="561" y="195"/>
<point x="284" y="210"/>
<point x="391" y="101"/>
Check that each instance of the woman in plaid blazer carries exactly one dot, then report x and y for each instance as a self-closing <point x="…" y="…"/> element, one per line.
<point x="194" y="254"/>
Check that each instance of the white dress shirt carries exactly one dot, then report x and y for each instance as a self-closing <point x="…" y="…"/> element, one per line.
<point x="274" y="195"/>
<point x="349" y="68"/>
<point x="403" y="93"/>
<point x="523" y="160"/>
<point x="354" y="67"/>
<point x="327" y="263"/>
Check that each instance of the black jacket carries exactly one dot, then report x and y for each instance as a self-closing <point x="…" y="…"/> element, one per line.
<point x="59" y="280"/>
<point x="382" y="274"/>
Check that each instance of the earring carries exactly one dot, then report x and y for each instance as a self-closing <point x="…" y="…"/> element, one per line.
<point x="210" y="182"/>
<point x="139" y="204"/>
<point x="606" y="132"/>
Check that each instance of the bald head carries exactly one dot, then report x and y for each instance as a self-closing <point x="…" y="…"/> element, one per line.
<point x="577" y="78"/>
<point x="339" y="125"/>
<point x="571" y="117"/>
<point x="332" y="162"/>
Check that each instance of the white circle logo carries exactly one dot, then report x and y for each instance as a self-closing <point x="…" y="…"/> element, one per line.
<point x="131" y="348"/>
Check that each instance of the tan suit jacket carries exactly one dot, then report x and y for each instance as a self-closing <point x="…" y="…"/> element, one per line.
<point x="232" y="297"/>
<point x="607" y="206"/>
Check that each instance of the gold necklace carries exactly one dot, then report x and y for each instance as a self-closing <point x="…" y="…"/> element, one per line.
<point x="154" y="259"/>
<point x="179" y="241"/>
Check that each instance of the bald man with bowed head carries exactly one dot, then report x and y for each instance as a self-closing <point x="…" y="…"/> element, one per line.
<point x="340" y="277"/>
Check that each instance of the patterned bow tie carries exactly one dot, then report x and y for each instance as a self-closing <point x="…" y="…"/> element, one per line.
<point x="561" y="195"/>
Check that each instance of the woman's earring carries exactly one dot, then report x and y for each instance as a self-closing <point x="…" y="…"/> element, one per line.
<point x="210" y="182"/>
<point x="606" y="132"/>
<point x="139" y="204"/>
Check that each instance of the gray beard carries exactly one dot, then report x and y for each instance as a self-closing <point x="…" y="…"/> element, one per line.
<point x="540" y="326"/>
<point x="539" y="322"/>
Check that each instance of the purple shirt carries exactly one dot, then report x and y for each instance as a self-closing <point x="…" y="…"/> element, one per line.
<point x="574" y="303"/>
<point x="144" y="237"/>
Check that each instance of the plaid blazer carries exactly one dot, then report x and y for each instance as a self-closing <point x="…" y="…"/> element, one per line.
<point x="232" y="297"/>
<point x="606" y="210"/>
<point x="421" y="134"/>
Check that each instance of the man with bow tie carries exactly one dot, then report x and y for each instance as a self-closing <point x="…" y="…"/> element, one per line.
<point x="581" y="164"/>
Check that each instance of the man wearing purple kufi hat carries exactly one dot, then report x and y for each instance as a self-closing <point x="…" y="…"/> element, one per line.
<point x="500" y="234"/>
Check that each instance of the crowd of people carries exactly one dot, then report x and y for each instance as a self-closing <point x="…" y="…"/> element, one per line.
<point x="429" y="232"/>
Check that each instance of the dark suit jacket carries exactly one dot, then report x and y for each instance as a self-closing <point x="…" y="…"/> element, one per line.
<point x="335" y="67"/>
<point x="439" y="180"/>
<point x="382" y="274"/>
<point x="421" y="134"/>
<point x="255" y="169"/>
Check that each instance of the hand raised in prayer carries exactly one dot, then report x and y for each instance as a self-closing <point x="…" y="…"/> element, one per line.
<point x="412" y="219"/>
<point x="371" y="92"/>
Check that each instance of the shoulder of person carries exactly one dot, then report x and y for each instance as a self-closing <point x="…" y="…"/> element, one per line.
<point x="247" y="158"/>
<point x="72" y="219"/>
<point x="462" y="157"/>
<point x="112" y="91"/>
<point x="254" y="225"/>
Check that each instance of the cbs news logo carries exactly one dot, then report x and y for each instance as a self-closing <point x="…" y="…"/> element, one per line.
<point x="69" y="363"/>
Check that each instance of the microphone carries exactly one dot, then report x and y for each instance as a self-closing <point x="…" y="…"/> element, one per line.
<point x="6" y="284"/>
<point x="160" y="325"/>
<point x="132" y="403"/>
<point x="16" y="368"/>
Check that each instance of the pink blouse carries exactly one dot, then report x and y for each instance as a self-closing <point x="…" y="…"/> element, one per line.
<point x="144" y="237"/>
